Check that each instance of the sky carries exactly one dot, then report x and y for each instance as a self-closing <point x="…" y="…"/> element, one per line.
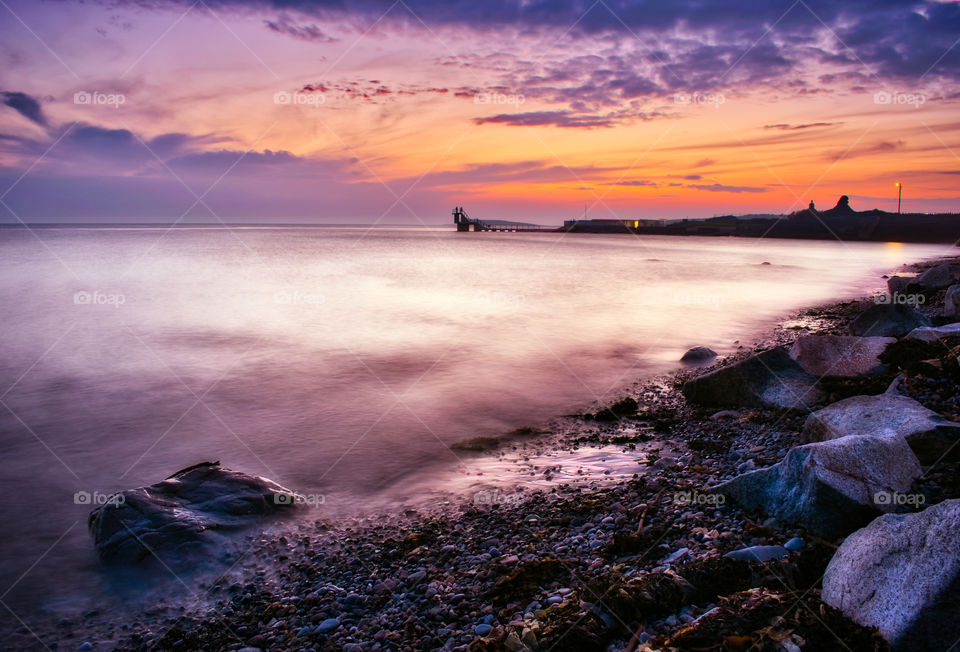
<point x="396" y="111"/>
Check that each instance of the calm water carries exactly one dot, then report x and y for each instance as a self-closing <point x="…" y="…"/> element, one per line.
<point x="340" y="361"/>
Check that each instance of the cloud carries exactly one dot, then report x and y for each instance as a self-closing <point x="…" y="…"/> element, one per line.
<point x="789" y="127"/>
<point x="485" y="175"/>
<point x="718" y="187"/>
<point x="25" y="105"/>
<point x="303" y="32"/>
<point x="568" y="119"/>
<point x="881" y="147"/>
<point x="634" y="182"/>
<point x="565" y="119"/>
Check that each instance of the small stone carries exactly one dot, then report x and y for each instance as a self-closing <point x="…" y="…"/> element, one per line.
<point x="529" y="638"/>
<point x="86" y="645"/>
<point x="483" y="629"/>
<point x="724" y="414"/>
<point x="417" y="576"/>
<point x="682" y="553"/>
<point x="513" y="643"/>
<point x="794" y="544"/>
<point x="758" y="553"/>
<point x="328" y="625"/>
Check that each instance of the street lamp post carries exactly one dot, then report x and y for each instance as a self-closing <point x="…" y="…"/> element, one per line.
<point x="899" y="196"/>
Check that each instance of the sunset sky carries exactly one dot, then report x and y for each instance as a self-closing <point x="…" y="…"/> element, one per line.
<point x="394" y="112"/>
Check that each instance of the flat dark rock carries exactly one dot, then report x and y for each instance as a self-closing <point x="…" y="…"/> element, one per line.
<point x="769" y="379"/>
<point x="887" y="320"/>
<point x="179" y="513"/>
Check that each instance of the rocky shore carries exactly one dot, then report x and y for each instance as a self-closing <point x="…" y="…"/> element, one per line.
<point x="799" y="495"/>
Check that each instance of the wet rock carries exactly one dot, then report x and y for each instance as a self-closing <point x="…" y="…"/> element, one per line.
<point x="936" y="278"/>
<point x="931" y="335"/>
<point x="901" y="574"/>
<point x="899" y="283"/>
<point x="758" y="553"/>
<point x="951" y="302"/>
<point x="887" y="415"/>
<point x="698" y="354"/>
<point x="769" y="379"/>
<point x="887" y="320"/>
<point x="844" y="356"/>
<point x="180" y="513"/>
<point x="625" y="408"/>
<point x="829" y="487"/>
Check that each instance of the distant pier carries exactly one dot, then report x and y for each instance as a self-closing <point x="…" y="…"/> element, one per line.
<point x="466" y="223"/>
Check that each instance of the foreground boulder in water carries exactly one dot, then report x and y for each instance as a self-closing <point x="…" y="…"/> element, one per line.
<point x="831" y="488"/>
<point x="770" y="379"/>
<point x="901" y="574"/>
<point x="844" y="356"/>
<point x="887" y="320"/>
<point x="179" y="514"/>
<point x="888" y="415"/>
<point x="698" y="354"/>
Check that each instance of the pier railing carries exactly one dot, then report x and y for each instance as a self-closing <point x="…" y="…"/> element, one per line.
<point x="466" y="223"/>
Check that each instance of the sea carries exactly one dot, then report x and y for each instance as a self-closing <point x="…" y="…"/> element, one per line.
<point x="345" y="363"/>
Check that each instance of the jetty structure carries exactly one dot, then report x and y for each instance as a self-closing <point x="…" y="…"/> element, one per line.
<point x="466" y="223"/>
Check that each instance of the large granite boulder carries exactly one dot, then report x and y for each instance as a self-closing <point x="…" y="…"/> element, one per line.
<point x="770" y="379"/>
<point x="179" y="514"/>
<point x="829" y="487"/>
<point x="887" y="415"/>
<point x="901" y="574"/>
<point x="844" y="356"/>
<point x="935" y="334"/>
<point x="951" y="302"/>
<point x="936" y="278"/>
<point x="887" y="320"/>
